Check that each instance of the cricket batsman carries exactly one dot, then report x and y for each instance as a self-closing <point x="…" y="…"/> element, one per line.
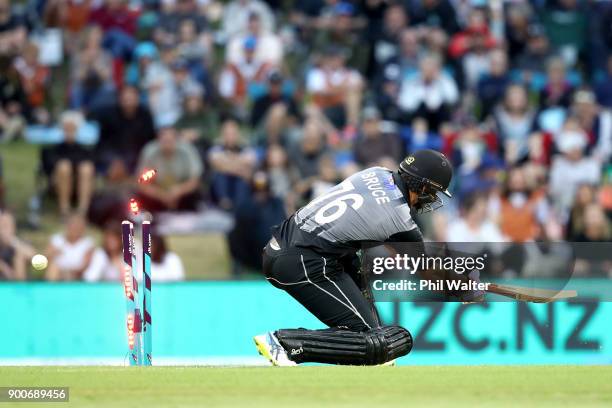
<point x="312" y="256"/>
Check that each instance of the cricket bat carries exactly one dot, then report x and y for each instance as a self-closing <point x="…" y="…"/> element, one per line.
<point x="534" y="295"/>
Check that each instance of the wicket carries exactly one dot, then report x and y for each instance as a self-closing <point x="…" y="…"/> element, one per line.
<point x="139" y="329"/>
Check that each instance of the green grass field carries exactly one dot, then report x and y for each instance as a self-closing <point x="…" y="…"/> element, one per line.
<point x="456" y="386"/>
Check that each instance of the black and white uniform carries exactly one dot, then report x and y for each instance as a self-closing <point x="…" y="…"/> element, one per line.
<point x="312" y="255"/>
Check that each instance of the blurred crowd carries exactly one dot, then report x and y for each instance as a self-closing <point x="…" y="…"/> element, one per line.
<point x="255" y="107"/>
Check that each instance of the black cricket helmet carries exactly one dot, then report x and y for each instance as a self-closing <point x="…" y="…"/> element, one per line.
<point x="427" y="172"/>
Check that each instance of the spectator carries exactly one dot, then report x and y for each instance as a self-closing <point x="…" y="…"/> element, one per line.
<point x="566" y="26"/>
<point x="521" y="209"/>
<point x="237" y="14"/>
<point x="118" y="21"/>
<point x="13" y="33"/>
<point x="13" y="102"/>
<point x="585" y="195"/>
<point x="336" y="89"/>
<point x="91" y="73"/>
<point x="572" y="168"/>
<point x="386" y="46"/>
<point x="280" y="176"/>
<point x="107" y="261"/>
<point x="232" y="164"/>
<point x="159" y="83"/>
<point x="558" y="91"/>
<point x="14" y="252"/>
<point x="515" y="120"/>
<point x="531" y="63"/>
<point x="34" y="77"/>
<point x="72" y="167"/>
<point x="267" y="46"/>
<point x="492" y="85"/>
<point x="391" y="73"/>
<point x="69" y="252"/>
<point x="238" y="78"/>
<point x="176" y="186"/>
<point x="596" y="225"/>
<point x="340" y="26"/>
<point x="372" y="144"/>
<point x="198" y="122"/>
<point x="255" y="214"/>
<point x="305" y="156"/>
<point x="176" y="18"/>
<point x="272" y="97"/>
<point x="474" y="224"/>
<point x="474" y="39"/>
<point x="125" y="128"/>
<point x="596" y="122"/>
<point x="430" y="94"/>
<point x="166" y="266"/>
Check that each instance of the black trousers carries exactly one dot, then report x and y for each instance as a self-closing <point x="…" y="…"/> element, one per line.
<point x="322" y="284"/>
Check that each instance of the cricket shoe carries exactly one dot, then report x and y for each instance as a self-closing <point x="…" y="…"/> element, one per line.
<point x="269" y="347"/>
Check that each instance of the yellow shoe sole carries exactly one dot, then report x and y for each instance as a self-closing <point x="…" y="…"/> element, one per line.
<point x="263" y="350"/>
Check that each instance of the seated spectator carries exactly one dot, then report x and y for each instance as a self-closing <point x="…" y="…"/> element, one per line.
<point x="372" y="144"/>
<point x="107" y="261"/>
<point x="237" y="78"/>
<point x="13" y="32"/>
<point x="388" y="43"/>
<point x="492" y="86"/>
<point x="531" y="63"/>
<point x="280" y="176"/>
<point x="232" y="164"/>
<point x="174" y="19"/>
<point x="118" y="21"/>
<point x="305" y="156"/>
<point x="72" y="167"/>
<point x="474" y="224"/>
<point x="166" y="266"/>
<point x="69" y="252"/>
<point x="566" y="24"/>
<point x="517" y="30"/>
<point x="274" y="95"/>
<point x="198" y="123"/>
<point x="336" y="89"/>
<point x="430" y="94"/>
<point x="557" y="91"/>
<point x="34" y="79"/>
<point x="15" y="254"/>
<point x="595" y="121"/>
<point x="255" y="214"/>
<point x="522" y="209"/>
<point x="91" y="76"/>
<point x="125" y="128"/>
<point x="596" y="225"/>
<point x="340" y="25"/>
<point x="472" y="46"/>
<point x="390" y="74"/>
<point x="572" y="168"/>
<point x="236" y="15"/>
<point x="267" y="46"/>
<point x="196" y="49"/>
<point x="159" y="83"/>
<point x="585" y="195"/>
<point x="14" y="107"/>
<point x="176" y="186"/>
<point x="514" y="119"/>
